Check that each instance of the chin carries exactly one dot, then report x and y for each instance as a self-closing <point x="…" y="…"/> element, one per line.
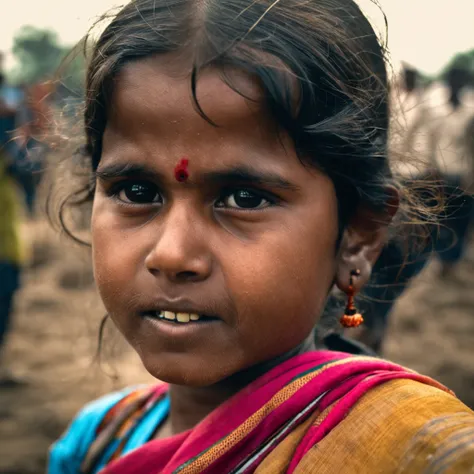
<point x="182" y="369"/>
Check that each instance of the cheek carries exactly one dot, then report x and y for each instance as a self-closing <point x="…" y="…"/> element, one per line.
<point x="281" y="283"/>
<point x="116" y="256"/>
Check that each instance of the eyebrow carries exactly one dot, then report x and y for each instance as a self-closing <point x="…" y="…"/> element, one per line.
<point x="127" y="170"/>
<point x="248" y="175"/>
<point x="238" y="174"/>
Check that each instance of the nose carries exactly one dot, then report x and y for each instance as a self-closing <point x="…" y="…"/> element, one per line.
<point x="180" y="253"/>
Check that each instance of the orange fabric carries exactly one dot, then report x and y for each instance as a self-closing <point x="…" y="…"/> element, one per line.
<point x="399" y="427"/>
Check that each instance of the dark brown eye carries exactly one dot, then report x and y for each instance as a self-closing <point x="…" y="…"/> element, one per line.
<point x="139" y="193"/>
<point x="244" y="199"/>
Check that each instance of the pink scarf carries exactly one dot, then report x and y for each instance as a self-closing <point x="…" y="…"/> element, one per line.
<point x="236" y="436"/>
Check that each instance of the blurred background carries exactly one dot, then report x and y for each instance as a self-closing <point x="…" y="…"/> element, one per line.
<point x="419" y="307"/>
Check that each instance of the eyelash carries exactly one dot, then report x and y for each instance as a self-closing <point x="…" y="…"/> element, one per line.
<point x="120" y="186"/>
<point x="271" y="199"/>
<point x="115" y="190"/>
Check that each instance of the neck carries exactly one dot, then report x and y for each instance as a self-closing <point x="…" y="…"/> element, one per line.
<point x="190" y="405"/>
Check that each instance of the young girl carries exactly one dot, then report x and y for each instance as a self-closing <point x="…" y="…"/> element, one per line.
<point x="239" y="160"/>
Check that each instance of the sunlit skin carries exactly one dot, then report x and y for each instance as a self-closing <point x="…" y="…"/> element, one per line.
<point x="249" y="238"/>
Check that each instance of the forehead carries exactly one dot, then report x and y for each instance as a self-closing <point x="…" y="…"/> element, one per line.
<point x="153" y="119"/>
<point x="157" y="93"/>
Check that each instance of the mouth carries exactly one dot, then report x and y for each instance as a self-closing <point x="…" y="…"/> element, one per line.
<point x="179" y="318"/>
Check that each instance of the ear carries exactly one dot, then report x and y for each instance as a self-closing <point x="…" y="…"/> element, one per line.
<point x="363" y="240"/>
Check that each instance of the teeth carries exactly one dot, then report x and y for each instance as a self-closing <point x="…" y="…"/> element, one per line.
<point x="179" y="317"/>
<point x="183" y="317"/>
<point x="169" y="315"/>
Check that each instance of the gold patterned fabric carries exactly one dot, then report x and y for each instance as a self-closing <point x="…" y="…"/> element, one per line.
<point x="400" y="427"/>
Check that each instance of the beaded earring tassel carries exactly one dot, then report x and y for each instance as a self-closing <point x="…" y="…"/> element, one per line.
<point x="352" y="318"/>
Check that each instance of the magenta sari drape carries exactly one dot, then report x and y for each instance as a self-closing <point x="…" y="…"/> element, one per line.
<point x="236" y="436"/>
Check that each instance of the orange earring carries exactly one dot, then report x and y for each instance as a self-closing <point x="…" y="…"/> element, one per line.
<point x="351" y="318"/>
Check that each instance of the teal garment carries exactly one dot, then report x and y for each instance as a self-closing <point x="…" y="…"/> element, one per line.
<point x="68" y="453"/>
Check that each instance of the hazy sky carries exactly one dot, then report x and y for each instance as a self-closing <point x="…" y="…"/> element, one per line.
<point x="425" y="33"/>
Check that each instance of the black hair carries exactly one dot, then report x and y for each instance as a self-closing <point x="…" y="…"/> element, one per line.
<point x="319" y="62"/>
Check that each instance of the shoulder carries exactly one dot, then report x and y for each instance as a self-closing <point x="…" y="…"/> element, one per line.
<point x="437" y="431"/>
<point x="401" y="426"/>
<point x="424" y="428"/>
<point x="69" y="451"/>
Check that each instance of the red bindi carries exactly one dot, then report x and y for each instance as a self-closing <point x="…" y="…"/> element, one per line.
<point x="181" y="172"/>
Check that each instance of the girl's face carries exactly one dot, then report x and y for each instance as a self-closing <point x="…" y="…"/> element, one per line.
<point x="247" y="244"/>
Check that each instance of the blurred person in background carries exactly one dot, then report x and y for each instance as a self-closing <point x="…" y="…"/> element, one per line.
<point x="10" y="245"/>
<point x="25" y="116"/>
<point x="439" y="124"/>
<point x="33" y="120"/>
<point x="452" y="163"/>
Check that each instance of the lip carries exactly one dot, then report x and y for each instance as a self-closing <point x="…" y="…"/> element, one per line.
<point x="179" y="306"/>
<point x="174" y="331"/>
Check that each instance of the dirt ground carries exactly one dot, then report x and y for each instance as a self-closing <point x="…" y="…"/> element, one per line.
<point x="55" y="338"/>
